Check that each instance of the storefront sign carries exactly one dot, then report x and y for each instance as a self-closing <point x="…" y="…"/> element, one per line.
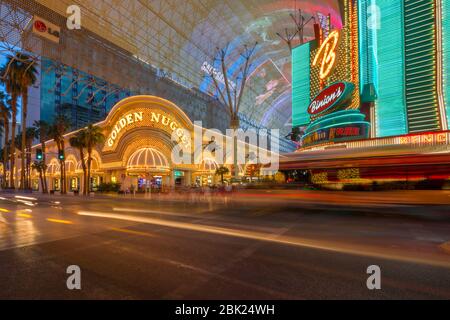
<point x="331" y="98"/>
<point x="46" y="29"/>
<point x="424" y="139"/>
<point x="342" y="132"/>
<point x="335" y="134"/>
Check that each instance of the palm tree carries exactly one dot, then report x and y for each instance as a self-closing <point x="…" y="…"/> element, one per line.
<point x="5" y="115"/>
<point x="22" y="71"/>
<point x="10" y="79"/>
<point x="56" y="132"/>
<point x="93" y="136"/>
<point x="221" y="172"/>
<point x="79" y="142"/>
<point x="31" y="135"/>
<point x="18" y="146"/>
<point x="42" y="130"/>
<point x="40" y="167"/>
<point x="4" y="172"/>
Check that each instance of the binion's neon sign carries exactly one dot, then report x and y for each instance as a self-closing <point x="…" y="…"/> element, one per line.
<point x="326" y="55"/>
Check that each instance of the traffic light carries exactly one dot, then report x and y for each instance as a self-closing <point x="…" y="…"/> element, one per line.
<point x="39" y="155"/>
<point x="61" y="155"/>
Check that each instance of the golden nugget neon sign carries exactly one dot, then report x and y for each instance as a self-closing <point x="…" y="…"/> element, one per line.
<point x="327" y="55"/>
<point x="135" y="117"/>
<point x="123" y="122"/>
<point x="172" y="126"/>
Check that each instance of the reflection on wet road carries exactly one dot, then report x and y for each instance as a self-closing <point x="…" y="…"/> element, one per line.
<point x="246" y="246"/>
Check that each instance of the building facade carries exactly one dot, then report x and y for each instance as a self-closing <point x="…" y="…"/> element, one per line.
<point x="402" y="55"/>
<point x="85" y="98"/>
<point x="138" y="151"/>
<point x="402" y="65"/>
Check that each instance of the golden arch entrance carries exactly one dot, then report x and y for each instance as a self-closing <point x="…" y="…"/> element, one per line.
<point x="139" y="124"/>
<point x="139" y="127"/>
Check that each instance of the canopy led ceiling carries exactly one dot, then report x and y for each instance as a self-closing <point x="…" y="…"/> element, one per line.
<point x="180" y="36"/>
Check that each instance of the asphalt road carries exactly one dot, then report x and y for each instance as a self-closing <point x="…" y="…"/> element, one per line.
<point x="259" y="245"/>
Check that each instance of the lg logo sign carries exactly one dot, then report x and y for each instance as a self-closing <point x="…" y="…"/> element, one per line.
<point x="40" y="26"/>
<point x="46" y="29"/>
<point x="51" y="31"/>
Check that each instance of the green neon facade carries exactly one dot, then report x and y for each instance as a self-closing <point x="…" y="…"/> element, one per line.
<point x="368" y="50"/>
<point x="301" y="86"/>
<point x="446" y="54"/>
<point x="397" y="66"/>
<point x="420" y="65"/>
<point x="391" y="112"/>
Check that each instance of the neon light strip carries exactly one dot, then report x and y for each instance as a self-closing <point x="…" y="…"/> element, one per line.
<point x="440" y="138"/>
<point x="344" y="124"/>
<point x="315" y="124"/>
<point x="440" y="65"/>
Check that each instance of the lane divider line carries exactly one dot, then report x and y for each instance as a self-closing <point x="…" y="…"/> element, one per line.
<point x="25" y="198"/>
<point x="168" y="213"/>
<point x="138" y="233"/>
<point x="59" y="221"/>
<point x="24" y="215"/>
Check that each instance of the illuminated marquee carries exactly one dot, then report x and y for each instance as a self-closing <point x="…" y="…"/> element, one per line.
<point x="132" y="118"/>
<point x="171" y="125"/>
<point x="327" y="55"/>
<point x="336" y="134"/>
<point x="428" y="138"/>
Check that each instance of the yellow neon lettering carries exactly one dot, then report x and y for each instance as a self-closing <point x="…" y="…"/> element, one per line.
<point x="327" y="54"/>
